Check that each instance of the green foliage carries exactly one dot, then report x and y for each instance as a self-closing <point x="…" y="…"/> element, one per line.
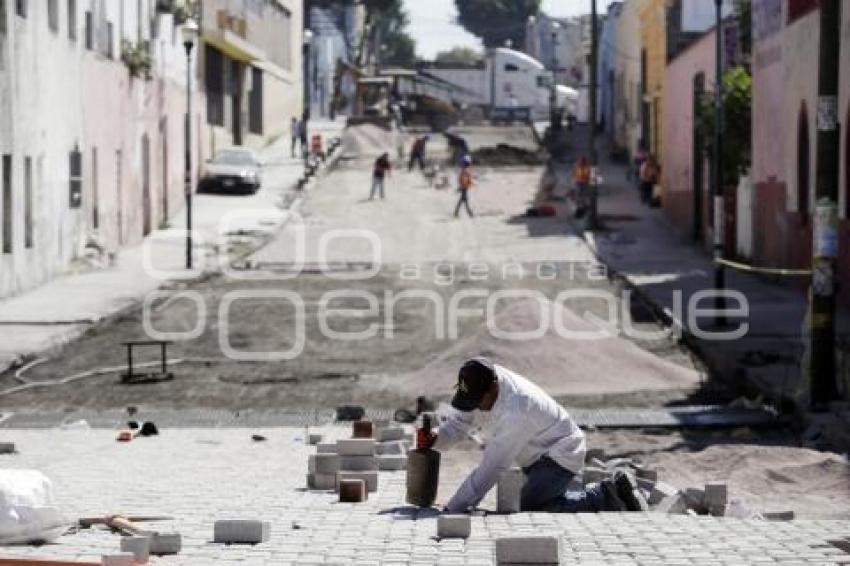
<point x="137" y="58"/>
<point x="459" y="56"/>
<point x="496" y="21"/>
<point x="737" y="120"/>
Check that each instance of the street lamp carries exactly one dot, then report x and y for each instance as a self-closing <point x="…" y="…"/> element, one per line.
<point x="190" y="36"/>
<point x="308" y="39"/>
<point x="553" y="92"/>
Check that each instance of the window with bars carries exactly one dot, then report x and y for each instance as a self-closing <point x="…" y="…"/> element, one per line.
<point x="214" y="85"/>
<point x="75" y="179"/>
<point x="72" y="20"/>
<point x="255" y="102"/>
<point x="7" y="204"/>
<point x="53" y="15"/>
<point x="28" y="202"/>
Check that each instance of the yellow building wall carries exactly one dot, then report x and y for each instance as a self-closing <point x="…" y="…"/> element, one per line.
<point x="653" y="35"/>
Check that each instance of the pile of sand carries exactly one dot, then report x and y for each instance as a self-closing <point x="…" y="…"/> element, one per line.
<point x="561" y="366"/>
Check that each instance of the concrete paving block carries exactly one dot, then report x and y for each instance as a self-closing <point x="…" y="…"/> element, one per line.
<point x="241" y="531"/>
<point x="393" y="447"/>
<point x="7" y="447"/>
<point x="355" y="447"/>
<point x="362" y="429"/>
<point x="716" y="494"/>
<point x="325" y="463"/>
<point x="371" y="478"/>
<point x="592" y="474"/>
<point x="778" y="515"/>
<point x="389" y="433"/>
<point x="321" y="481"/>
<point x="528" y="550"/>
<point x="165" y="543"/>
<point x="661" y="491"/>
<point x="118" y="559"/>
<point x="352" y="491"/>
<point x="454" y="526"/>
<point x="139" y="547"/>
<point x="392" y="463"/>
<point x="314" y="439"/>
<point x="358" y="463"/>
<point x="508" y="490"/>
<point x="326" y="448"/>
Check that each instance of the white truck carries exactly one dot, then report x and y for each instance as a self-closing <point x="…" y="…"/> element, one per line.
<point x="505" y="80"/>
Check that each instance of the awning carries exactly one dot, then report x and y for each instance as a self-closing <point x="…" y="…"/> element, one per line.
<point x="234" y="46"/>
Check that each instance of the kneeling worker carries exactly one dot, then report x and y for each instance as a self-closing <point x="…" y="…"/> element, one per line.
<point x="529" y="428"/>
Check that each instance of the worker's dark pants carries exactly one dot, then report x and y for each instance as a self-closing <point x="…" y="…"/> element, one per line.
<point x="294" y="143"/>
<point x="416" y="159"/>
<point x="377" y="187"/>
<point x="463" y="201"/>
<point x="546" y="490"/>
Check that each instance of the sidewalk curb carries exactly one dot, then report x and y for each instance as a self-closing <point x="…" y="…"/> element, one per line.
<point x="81" y="327"/>
<point x="744" y="387"/>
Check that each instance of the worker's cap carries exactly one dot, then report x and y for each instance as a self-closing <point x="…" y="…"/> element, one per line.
<point x="473" y="380"/>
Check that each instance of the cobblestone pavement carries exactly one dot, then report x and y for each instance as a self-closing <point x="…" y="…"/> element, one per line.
<point x="200" y="475"/>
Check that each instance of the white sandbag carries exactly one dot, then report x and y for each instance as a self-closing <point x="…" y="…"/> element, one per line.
<point x="27" y="513"/>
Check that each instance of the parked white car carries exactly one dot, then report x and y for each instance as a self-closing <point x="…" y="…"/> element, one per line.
<point x="232" y="170"/>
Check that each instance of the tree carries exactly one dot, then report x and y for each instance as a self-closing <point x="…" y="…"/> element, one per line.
<point x="496" y="21"/>
<point x="459" y="56"/>
<point x="737" y="120"/>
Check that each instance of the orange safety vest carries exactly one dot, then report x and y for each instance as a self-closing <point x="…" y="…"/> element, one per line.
<point x="582" y="175"/>
<point x="465" y="179"/>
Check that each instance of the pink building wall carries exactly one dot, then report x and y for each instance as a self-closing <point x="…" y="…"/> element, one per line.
<point x="678" y="125"/>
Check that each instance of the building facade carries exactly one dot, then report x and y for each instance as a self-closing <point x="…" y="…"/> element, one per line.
<point x="336" y="33"/>
<point x="607" y="65"/>
<point x="628" y="99"/>
<point x="92" y="101"/>
<point x="251" y="69"/>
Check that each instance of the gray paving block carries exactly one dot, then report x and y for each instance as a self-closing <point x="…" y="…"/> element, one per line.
<point x="716" y="494"/>
<point x="389" y="433"/>
<point x="454" y="526"/>
<point x="326" y="448"/>
<point x="392" y="447"/>
<point x="355" y="447"/>
<point x="695" y="498"/>
<point x="321" y="481"/>
<point x="392" y="463"/>
<point x="140" y="547"/>
<point x="165" y="543"/>
<point x="528" y="550"/>
<point x="508" y="490"/>
<point x="358" y="463"/>
<point x="325" y="463"/>
<point x="371" y="478"/>
<point x="118" y="559"/>
<point x="314" y="439"/>
<point x="241" y="531"/>
<point x="7" y="447"/>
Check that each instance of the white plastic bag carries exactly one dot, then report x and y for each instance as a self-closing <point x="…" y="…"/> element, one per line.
<point x="27" y="514"/>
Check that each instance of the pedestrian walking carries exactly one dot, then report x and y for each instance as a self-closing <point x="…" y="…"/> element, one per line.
<point x="527" y="428"/>
<point x="637" y="163"/>
<point x="581" y="179"/>
<point x="464" y="185"/>
<point x="294" y="133"/>
<point x="648" y="179"/>
<point x="379" y="173"/>
<point x="417" y="153"/>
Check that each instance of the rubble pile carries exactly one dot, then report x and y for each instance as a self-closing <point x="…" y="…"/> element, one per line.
<point x="506" y="155"/>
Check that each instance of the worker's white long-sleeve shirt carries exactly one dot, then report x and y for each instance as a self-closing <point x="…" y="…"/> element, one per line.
<point x="525" y="425"/>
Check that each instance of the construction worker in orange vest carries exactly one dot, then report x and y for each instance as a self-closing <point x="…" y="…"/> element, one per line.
<point x="581" y="177"/>
<point x="465" y="182"/>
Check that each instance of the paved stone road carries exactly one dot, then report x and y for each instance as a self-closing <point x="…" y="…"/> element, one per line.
<point x="198" y="475"/>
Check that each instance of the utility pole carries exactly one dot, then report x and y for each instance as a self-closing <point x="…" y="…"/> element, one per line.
<point x="593" y="219"/>
<point x="719" y="273"/>
<point x="825" y="225"/>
